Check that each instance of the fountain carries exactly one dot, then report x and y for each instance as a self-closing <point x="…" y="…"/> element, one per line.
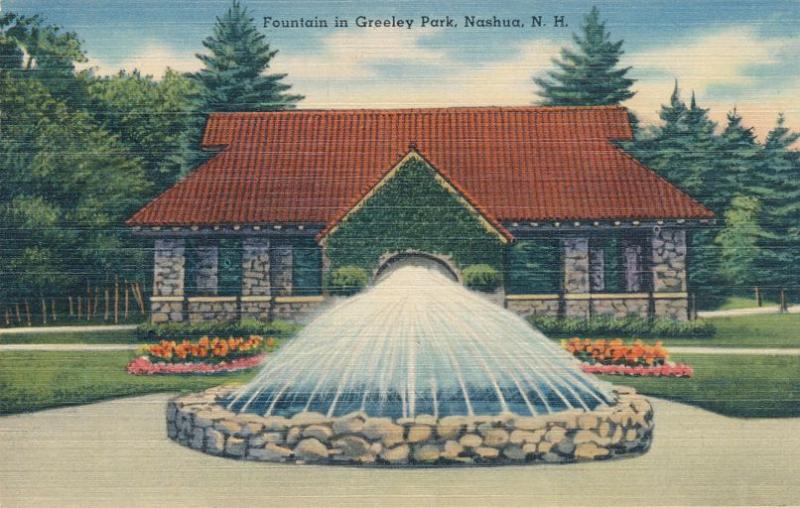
<point x="417" y="369"/>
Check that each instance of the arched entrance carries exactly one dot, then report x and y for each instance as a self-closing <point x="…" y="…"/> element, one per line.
<point x="391" y="261"/>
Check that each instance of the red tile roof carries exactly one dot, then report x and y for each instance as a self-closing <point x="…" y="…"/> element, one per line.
<point x="513" y="163"/>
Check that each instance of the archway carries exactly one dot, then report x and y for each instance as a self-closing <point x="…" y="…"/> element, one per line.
<point x="391" y="261"/>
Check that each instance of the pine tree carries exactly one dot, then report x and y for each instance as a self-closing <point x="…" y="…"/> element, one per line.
<point x="780" y="172"/>
<point x="684" y="149"/>
<point x="588" y="75"/>
<point x="739" y="157"/>
<point x="234" y="77"/>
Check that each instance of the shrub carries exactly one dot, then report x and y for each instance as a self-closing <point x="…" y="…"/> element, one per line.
<point x="629" y="327"/>
<point x="243" y="328"/>
<point x="347" y="280"/>
<point x="481" y="278"/>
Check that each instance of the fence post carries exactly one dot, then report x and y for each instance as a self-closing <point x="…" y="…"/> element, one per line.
<point x="758" y="296"/>
<point x="783" y="305"/>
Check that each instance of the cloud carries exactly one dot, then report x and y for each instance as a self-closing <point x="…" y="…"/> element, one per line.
<point x="152" y="58"/>
<point x="410" y="69"/>
<point x="739" y="61"/>
<point x="417" y="68"/>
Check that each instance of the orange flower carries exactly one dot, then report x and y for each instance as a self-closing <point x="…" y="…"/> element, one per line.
<point x="182" y="351"/>
<point x="221" y="349"/>
<point x="270" y="341"/>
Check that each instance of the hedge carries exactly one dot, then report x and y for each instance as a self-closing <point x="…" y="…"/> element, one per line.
<point x="481" y="278"/>
<point x="628" y="327"/>
<point x="243" y="328"/>
<point x="347" y="280"/>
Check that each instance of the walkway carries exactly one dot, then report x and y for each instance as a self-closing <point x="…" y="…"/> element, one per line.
<point x="69" y="347"/>
<point x="709" y="350"/>
<point x="66" y="329"/>
<point x="132" y="347"/>
<point x="116" y="454"/>
<point x="767" y="309"/>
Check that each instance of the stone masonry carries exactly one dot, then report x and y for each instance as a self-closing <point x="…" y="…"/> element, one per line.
<point x="576" y="275"/>
<point x="255" y="267"/>
<point x="169" y="265"/>
<point x="669" y="272"/>
<point x="218" y="309"/>
<point x="281" y="269"/>
<point x="623" y="429"/>
<point x="533" y="307"/>
<point x="669" y="260"/>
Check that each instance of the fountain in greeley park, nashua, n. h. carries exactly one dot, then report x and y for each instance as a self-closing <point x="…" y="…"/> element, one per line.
<point x="417" y="370"/>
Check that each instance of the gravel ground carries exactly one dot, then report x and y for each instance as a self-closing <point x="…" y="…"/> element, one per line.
<point x="116" y="453"/>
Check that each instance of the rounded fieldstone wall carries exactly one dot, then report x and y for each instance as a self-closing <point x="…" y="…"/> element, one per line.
<point x="622" y="430"/>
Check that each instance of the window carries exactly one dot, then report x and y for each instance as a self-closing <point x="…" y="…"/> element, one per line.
<point x="605" y="265"/>
<point x="534" y="267"/>
<point x="230" y="267"/>
<point x="635" y="266"/>
<point x="306" y="267"/>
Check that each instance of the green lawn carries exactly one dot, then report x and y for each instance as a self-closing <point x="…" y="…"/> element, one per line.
<point x="740" y="302"/>
<point x="733" y="385"/>
<point x="30" y="381"/>
<point x="108" y="337"/>
<point x="761" y="330"/>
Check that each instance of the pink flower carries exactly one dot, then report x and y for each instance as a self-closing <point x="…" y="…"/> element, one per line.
<point x="143" y="366"/>
<point x="666" y="370"/>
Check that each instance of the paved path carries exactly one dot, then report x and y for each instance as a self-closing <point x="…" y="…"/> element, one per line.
<point x="767" y="309"/>
<point x="66" y="329"/>
<point x="735" y="350"/>
<point x="69" y="347"/>
<point x="116" y="454"/>
<point x="132" y="347"/>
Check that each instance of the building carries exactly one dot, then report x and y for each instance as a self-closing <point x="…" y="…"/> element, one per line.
<point x="576" y="225"/>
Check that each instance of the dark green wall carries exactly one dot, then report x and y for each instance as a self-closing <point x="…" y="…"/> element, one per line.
<point x="413" y="211"/>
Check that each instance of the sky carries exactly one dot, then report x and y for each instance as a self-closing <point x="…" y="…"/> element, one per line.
<point x="730" y="53"/>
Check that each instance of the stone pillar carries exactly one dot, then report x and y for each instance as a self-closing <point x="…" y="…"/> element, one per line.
<point x="255" y="267"/>
<point x="669" y="273"/>
<point x="169" y="263"/>
<point x="597" y="274"/>
<point x="669" y="260"/>
<point x="207" y="271"/>
<point x="256" y="285"/>
<point x="281" y="269"/>
<point x="576" y="276"/>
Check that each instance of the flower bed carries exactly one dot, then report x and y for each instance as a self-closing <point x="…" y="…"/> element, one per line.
<point x="614" y="357"/>
<point x="206" y="356"/>
<point x="669" y="369"/>
<point x="143" y="366"/>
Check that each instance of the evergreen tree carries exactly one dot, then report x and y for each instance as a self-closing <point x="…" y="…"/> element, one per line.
<point x="588" y="75"/>
<point x="738" y="243"/>
<point x="234" y="77"/>
<point x="780" y="196"/>
<point x="740" y="154"/>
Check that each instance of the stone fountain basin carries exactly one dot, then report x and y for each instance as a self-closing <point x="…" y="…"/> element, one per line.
<point x="623" y="429"/>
